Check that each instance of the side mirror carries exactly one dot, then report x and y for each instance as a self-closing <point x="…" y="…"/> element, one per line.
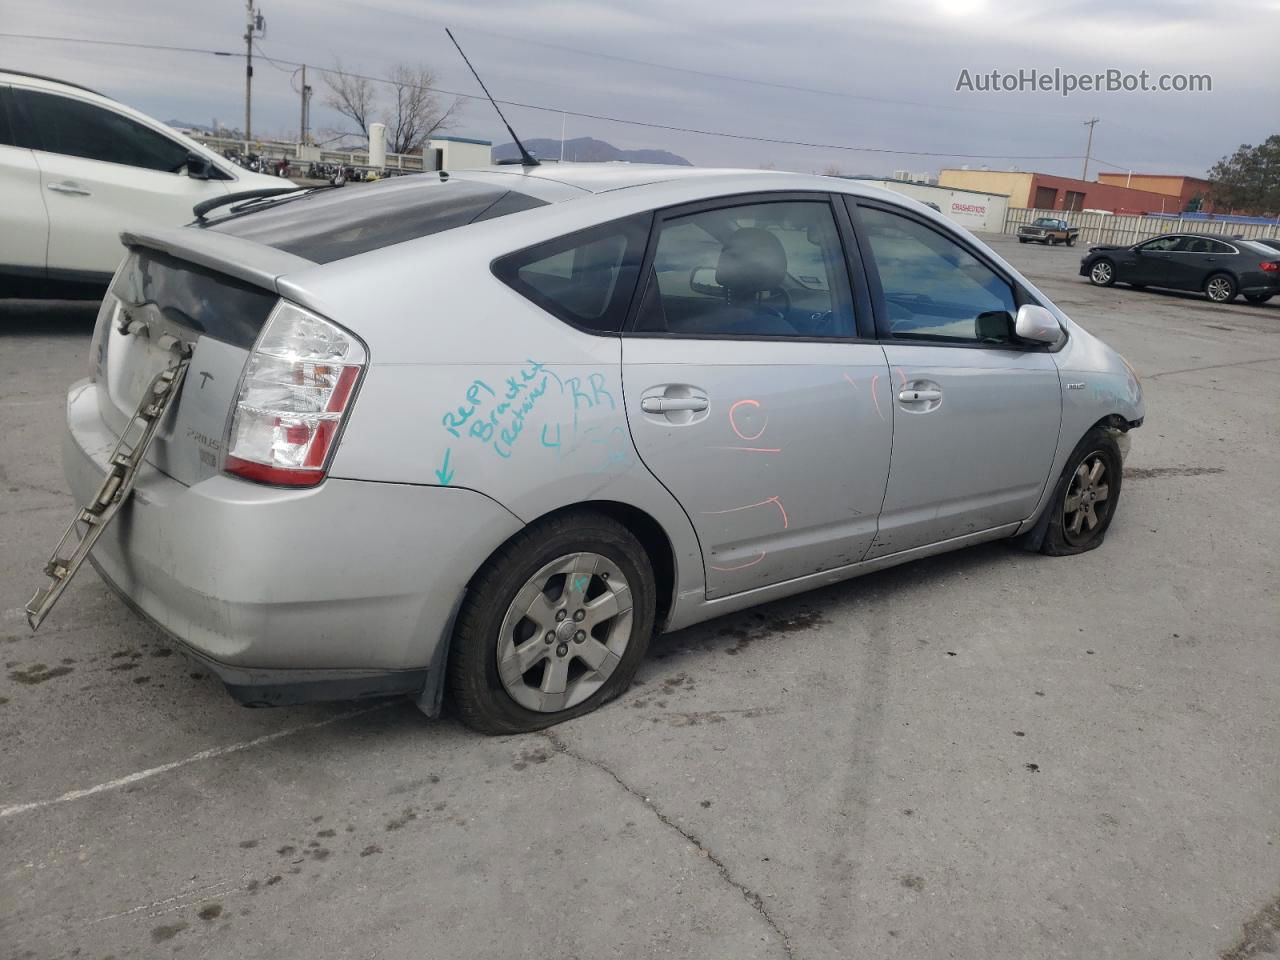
<point x="708" y="286"/>
<point x="198" y="168"/>
<point x="1037" y="325"/>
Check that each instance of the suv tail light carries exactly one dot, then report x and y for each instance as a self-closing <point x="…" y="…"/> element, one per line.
<point x="293" y="399"/>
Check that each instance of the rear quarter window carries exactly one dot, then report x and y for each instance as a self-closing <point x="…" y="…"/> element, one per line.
<point x="338" y="223"/>
<point x="585" y="278"/>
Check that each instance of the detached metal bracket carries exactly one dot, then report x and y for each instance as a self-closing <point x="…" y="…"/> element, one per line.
<point x="122" y="469"/>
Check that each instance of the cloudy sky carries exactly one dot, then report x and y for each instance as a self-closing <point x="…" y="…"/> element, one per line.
<point x="889" y="71"/>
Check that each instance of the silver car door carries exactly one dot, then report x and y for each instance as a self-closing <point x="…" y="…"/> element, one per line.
<point x="749" y="393"/>
<point x="976" y="414"/>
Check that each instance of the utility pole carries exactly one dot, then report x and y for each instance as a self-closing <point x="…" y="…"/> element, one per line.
<point x="255" y="26"/>
<point x="1088" y="150"/>
<point x="306" y="109"/>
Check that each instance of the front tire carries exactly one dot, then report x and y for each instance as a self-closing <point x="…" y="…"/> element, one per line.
<point x="1085" y="499"/>
<point x="1220" y="288"/>
<point x="1102" y="273"/>
<point x="1022" y="239"/>
<point x="553" y="626"/>
<point x="1071" y="241"/>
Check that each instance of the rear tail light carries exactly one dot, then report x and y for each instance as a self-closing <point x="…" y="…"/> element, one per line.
<point x="1272" y="266"/>
<point x="294" y="397"/>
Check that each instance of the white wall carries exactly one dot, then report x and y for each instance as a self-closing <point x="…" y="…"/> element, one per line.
<point x="462" y="156"/>
<point x="973" y="211"/>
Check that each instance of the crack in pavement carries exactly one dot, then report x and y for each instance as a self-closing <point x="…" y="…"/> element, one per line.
<point x="748" y="894"/>
<point x="1212" y="366"/>
<point x="1150" y="473"/>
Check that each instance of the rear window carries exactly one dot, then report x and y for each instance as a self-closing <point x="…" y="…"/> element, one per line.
<point x="585" y="278"/>
<point x="205" y="301"/>
<point x="1262" y="247"/>
<point x="334" y="224"/>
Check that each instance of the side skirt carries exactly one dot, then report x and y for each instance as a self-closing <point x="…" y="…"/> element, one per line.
<point x="706" y="609"/>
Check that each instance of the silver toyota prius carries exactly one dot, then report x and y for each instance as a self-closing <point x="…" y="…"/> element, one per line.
<point x="479" y="435"/>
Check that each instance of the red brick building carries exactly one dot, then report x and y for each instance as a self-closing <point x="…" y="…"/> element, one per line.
<point x="1190" y="192"/>
<point x="1045" y="191"/>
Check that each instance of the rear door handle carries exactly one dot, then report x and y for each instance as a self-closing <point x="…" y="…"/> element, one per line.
<point x="919" y="396"/>
<point x="69" y="188"/>
<point x="672" y="404"/>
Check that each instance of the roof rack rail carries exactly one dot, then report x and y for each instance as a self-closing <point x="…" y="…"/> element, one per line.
<point x="65" y="83"/>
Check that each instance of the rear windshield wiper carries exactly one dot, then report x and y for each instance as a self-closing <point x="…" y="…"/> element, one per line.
<point x="249" y="200"/>
<point x="204" y="206"/>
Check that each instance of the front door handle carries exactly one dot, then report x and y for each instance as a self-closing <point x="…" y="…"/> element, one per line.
<point x="672" y="404"/>
<point x="70" y="189"/>
<point x="919" y="396"/>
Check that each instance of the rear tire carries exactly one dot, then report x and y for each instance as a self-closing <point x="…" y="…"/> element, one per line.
<point x="1071" y="241"/>
<point x="528" y="651"/>
<point x="1085" y="499"/>
<point x="1220" y="288"/>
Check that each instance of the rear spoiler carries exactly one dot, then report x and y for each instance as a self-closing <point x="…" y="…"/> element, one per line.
<point x="237" y="257"/>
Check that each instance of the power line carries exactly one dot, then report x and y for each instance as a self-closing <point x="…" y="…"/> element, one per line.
<point x="794" y="88"/>
<point x="695" y="130"/>
<point x="650" y="125"/>
<point x="121" y="43"/>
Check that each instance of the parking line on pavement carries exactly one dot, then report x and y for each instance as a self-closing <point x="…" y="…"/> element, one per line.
<point x="210" y="754"/>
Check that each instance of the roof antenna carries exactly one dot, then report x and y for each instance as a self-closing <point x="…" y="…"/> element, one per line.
<point x="526" y="158"/>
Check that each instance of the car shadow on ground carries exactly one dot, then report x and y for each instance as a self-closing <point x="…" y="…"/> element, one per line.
<point x="47" y="317"/>
<point x="1193" y="296"/>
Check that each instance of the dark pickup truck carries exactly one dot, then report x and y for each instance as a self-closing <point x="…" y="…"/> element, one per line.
<point x="1048" y="230"/>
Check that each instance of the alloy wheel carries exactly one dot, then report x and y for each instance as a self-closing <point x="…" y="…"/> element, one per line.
<point x="1088" y="499"/>
<point x="1219" y="289"/>
<point x="1101" y="272"/>
<point x="565" y="632"/>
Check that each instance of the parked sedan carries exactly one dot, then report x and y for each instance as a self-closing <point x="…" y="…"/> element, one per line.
<point x="1216" y="266"/>
<point x="76" y="168"/>
<point x="484" y="433"/>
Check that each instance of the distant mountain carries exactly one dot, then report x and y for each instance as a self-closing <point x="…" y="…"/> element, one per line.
<point x="586" y="150"/>
<point x="186" y="125"/>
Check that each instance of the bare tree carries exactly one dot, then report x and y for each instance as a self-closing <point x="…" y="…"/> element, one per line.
<point x="417" y="111"/>
<point x="350" y="95"/>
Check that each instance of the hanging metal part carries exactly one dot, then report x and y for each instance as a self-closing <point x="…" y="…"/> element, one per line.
<point x="122" y="469"/>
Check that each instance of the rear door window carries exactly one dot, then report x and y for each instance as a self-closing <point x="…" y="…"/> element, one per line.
<point x="586" y="278"/>
<point x="76" y="128"/>
<point x="757" y="270"/>
<point x="337" y="223"/>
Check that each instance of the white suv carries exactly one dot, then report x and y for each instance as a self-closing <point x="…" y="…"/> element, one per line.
<point x="77" y="168"/>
